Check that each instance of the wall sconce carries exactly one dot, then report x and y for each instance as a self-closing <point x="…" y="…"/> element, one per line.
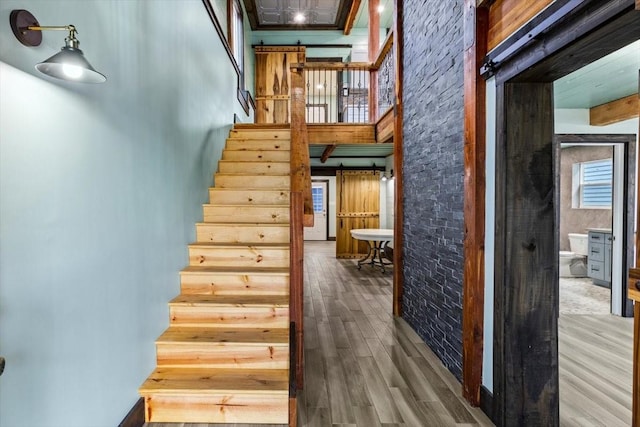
<point x="69" y="63"/>
<point x="384" y="176"/>
<point x="345" y="90"/>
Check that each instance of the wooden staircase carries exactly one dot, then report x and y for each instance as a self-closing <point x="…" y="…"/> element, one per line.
<point x="225" y="356"/>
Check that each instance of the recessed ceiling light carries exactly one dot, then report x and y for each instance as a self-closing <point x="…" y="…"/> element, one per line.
<point x="299" y="18"/>
<point x="380" y="8"/>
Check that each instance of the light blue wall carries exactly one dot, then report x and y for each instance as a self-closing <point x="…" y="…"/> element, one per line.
<point x="100" y="187"/>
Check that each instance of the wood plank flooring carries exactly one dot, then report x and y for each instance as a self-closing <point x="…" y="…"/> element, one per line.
<point x="365" y="368"/>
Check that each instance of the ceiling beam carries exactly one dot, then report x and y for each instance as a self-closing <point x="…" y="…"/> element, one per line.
<point x="327" y="153"/>
<point x="615" y="111"/>
<point x="351" y="17"/>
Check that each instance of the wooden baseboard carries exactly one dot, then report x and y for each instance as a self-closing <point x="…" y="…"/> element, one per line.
<point x="331" y="239"/>
<point x="486" y="402"/>
<point x="135" y="417"/>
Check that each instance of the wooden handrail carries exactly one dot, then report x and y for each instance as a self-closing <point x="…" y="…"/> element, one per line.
<point x="296" y="281"/>
<point x="386" y="47"/>
<point x="332" y="65"/>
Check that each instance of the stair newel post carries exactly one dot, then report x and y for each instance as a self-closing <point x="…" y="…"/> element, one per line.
<point x="301" y="205"/>
<point x="296" y="278"/>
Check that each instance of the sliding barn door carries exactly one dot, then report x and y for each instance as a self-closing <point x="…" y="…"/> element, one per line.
<point x="273" y="82"/>
<point x="358" y="200"/>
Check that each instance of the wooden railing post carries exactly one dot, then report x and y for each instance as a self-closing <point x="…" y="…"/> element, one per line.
<point x="300" y="162"/>
<point x="296" y="281"/>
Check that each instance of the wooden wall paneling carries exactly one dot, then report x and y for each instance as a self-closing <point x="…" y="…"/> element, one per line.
<point x="526" y="247"/>
<point x="398" y="48"/>
<point x="358" y="199"/>
<point x="475" y="39"/>
<point x="273" y="82"/>
<point x="506" y="16"/>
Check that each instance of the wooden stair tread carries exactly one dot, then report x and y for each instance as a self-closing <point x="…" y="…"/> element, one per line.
<point x="242" y="225"/>
<point x="262" y="126"/>
<point x="232" y="245"/>
<point x="232" y="300"/>
<point x="216" y="381"/>
<point x="204" y="335"/>
<point x="236" y="270"/>
<point x="252" y="174"/>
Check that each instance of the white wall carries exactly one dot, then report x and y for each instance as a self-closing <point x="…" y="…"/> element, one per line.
<point x="100" y="187"/>
<point x="567" y="121"/>
<point x="389" y="200"/>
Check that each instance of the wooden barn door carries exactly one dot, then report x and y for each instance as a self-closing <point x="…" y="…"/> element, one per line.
<point x="273" y="82"/>
<point x="358" y="200"/>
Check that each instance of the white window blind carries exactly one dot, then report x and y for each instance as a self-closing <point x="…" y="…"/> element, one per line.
<point x="596" y="184"/>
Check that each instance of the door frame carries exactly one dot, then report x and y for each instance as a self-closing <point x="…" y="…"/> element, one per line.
<point x="326" y="196"/>
<point x="628" y="142"/>
<point x="526" y="383"/>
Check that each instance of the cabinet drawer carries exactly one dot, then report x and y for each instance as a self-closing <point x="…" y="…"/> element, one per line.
<point x="595" y="237"/>
<point x="596" y="269"/>
<point x="596" y="252"/>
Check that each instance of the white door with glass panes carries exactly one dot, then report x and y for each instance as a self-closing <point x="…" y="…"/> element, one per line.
<point x="320" y="200"/>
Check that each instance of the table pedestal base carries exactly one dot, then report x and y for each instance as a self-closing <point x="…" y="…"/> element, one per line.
<point x="374" y="257"/>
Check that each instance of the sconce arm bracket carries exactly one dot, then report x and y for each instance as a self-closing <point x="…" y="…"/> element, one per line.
<point x="21" y="20"/>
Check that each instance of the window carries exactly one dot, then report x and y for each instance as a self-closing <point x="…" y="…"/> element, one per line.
<point x="236" y="35"/>
<point x="593" y="184"/>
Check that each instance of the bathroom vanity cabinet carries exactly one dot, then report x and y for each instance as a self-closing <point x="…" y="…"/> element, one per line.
<point x="599" y="257"/>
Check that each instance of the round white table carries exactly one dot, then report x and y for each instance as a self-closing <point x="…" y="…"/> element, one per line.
<point x="377" y="239"/>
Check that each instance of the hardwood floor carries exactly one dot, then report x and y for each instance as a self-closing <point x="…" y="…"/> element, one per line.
<point x="365" y="368"/>
<point x="596" y="361"/>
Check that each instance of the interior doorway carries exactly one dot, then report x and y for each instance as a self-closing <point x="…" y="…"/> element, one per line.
<point x="596" y="185"/>
<point x="320" y="196"/>
<point x="525" y="354"/>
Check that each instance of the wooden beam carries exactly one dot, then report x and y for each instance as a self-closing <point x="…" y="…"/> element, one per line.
<point x="615" y="111"/>
<point x="384" y="127"/>
<point x="398" y="225"/>
<point x="351" y="18"/>
<point x="341" y="133"/>
<point x="526" y="262"/>
<point x="507" y="16"/>
<point x="327" y="153"/>
<point x="475" y="44"/>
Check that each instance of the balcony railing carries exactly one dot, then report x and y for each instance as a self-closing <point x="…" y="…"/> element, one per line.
<point x="337" y="92"/>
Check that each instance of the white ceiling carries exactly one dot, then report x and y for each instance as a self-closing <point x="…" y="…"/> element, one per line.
<point x="612" y="77"/>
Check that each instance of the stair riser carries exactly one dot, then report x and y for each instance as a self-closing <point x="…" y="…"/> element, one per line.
<point x="228" y="355"/>
<point x="238" y="257"/>
<point x="256" y="155"/>
<point x="275" y="168"/>
<point x="280" y="182"/>
<point x="252" y="145"/>
<point x="264" y="134"/>
<point x="248" y="197"/>
<point x="242" y="234"/>
<point x="219" y="284"/>
<point x="217" y="408"/>
<point x="229" y="317"/>
<point x="249" y="214"/>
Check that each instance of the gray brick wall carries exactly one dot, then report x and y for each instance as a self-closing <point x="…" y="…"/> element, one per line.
<point x="433" y="175"/>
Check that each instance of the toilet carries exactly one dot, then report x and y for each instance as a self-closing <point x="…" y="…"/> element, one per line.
<point x="574" y="263"/>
